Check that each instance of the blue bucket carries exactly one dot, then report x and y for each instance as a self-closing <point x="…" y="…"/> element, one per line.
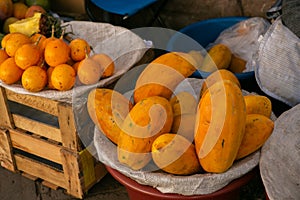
<point x="199" y="34"/>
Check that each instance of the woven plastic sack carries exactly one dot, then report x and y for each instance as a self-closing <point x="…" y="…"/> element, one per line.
<point x="277" y="68"/>
<point x="280" y="158"/>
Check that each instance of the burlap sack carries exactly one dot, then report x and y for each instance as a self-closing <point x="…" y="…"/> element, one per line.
<point x="277" y="69"/>
<point x="280" y="158"/>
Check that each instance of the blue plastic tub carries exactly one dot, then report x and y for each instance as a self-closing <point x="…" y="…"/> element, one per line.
<point x="199" y="34"/>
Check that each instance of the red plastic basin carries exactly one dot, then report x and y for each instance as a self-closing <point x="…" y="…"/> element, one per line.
<point x="137" y="191"/>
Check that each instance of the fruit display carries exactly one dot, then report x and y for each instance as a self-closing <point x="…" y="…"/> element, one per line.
<point x="181" y="134"/>
<point x="28" y="50"/>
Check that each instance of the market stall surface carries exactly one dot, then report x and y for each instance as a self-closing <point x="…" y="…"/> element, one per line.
<point x="14" y="186"/>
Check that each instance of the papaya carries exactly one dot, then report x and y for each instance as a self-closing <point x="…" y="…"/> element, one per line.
<point x="218" y="75"/>
<point x="258" y="130"/>
<point x="237" y="64"/>
<point x="217" y="57"/>
<point x="220" y="126"/>
<point x="198" y="57"/>
<point x="183" y="103"/>
<point x="148" y="119"/>
<point x="163" y="74"/>
<point x="184" y="125"/>
<point x="258" y="104"/>
<point x="108" y="108"/>
<point x="175" y="154"/>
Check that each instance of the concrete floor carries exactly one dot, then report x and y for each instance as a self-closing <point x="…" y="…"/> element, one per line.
<point x="15" y="187"/>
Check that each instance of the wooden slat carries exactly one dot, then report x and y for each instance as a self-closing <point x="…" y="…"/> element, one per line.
<point x="35" y="146"/>
<point x="40" y="103"/>
<point x="30" y="176"/>
<point x="6" y="154"/>
<point x="38" y="128"/>
<point x="67" y="127"/>
<point x="72" y="172"/>
<point x="50" y="185"/>
<point x="5" y="115"/>
<point x="40" y="170"/>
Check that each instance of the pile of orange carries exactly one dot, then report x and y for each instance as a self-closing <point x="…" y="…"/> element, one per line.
<point x="40" y="63"/>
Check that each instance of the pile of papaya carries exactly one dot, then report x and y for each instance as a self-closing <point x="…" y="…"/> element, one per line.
<point x="182" y="134"/>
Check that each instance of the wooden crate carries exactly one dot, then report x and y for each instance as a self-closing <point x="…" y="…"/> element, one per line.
<point x="50" y="152"/>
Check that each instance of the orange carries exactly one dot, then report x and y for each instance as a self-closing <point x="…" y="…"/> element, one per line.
<point x="10" y="73"/>
<point x="34" y="78"/>
<point x="63" y="77"/>
<point x="75" y="66"/>
<point x="5" y="38"/>
<point x="43" y="3"/>
<point x="56" y="52"/>
<point x="49" y="73"/>
<point x="3" y="56"/>
<point x="46" y="41"/>
<point x="14" y="42"/>
<point x="27" y="55"/>
<point x="39" y="39"/>
<point x="89" y="71"/>
<point x="79" y="49"/>
<point x="33" y="9"/>
<point x="20" y="10"/>
<point x="106" y="63"/>
<point x="6" y="9"/>
<point x="7" y="22"/>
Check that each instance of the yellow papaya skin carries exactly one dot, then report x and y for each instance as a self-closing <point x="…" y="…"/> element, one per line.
<point x="108" y="108"/>
<point x="175" y="154"/>
<point x="258" y="130"/>
<point x="148" y="119"/>
<point x="220" y="126"/>
<point x="237" y="64"/>
<point x="184" y="125"/>
<point x="258" y="104"/>
<point x="163" y="74"/>
<point x="218" y="57"/>
<point x="219" y="75"/>
<point x="183" y="103"/>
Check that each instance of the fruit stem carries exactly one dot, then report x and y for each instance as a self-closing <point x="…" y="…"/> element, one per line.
<point x="62" y="34"/>
<point x="52" y="30"/>
<point x="38" y="40"/>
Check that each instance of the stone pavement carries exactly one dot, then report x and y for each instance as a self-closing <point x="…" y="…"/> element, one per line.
<point x="15" y="187"/>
